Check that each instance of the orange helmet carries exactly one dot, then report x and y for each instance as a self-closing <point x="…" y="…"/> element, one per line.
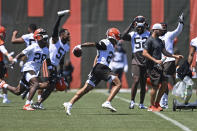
<point x="40" y="34"/>
<point x="2" y="31"/>
<point x="61" y="85"/>
<point x="113" y="33"/>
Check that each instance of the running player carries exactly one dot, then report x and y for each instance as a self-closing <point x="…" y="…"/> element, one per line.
<point x="154" y="47"/>
<point x="58" y="47"/>
<point x="36" y="54"/>
<point x="101" y="70"/>
<point x="169" y="63"/>
<point x="137" y="38"/>
<point x="3" y="70"/>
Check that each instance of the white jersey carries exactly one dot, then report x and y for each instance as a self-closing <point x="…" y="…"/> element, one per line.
<point x="138" y="40"/>
<point x="35" y="57"/>
<point x="119" y="60"/>
<point x="29" y="39"/>
<point x="57" y="51"/>
<point x="105" y="56"/>
<point x="194" y="43"/>
<point x="168" y="38"/>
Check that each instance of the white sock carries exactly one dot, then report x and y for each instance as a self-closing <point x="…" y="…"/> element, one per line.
<point x="39" y="96"/>
<point x="5" y="86"/>
<point x="27" y="95"/>
<point x="5" y="96"/>
<point x="27" y="102"/>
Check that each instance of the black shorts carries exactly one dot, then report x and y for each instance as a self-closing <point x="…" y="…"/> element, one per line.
<point x="156" y="75"/>
<point x="169" y="68"/>
<point x="3" y="70"/>
<point x="98" y="73"/>
<point x="139" y="71"/>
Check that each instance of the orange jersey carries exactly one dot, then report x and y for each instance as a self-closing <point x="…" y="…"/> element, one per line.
<point x="1" y="54"/>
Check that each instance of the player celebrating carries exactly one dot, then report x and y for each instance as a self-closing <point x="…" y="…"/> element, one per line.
<point x="26" y="38"/>
<point x="101" y="70"/>
<point x="137" y="38"/>
<point x="154" y="47"/>
<point x="169" y="63"/>
<point x="58" y="46"/>
<point x="36" y="54"/>
<point x="3" y="70"/>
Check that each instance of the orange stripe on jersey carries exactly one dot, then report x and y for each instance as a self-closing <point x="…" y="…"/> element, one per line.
<point x="1" y="42"/>
<point x="1" y="56"/>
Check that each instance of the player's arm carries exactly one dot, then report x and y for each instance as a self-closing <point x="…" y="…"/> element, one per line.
<point x="55" y="29"/>
<point x="179" y="28"/>
<point x="147" y="55"/>
<point x="166" y="53"/>
<point x="16" y="40"/>
<point x="5" y="52"/>
<point x="191" y="54"/>
<point x="95" y="60"/>
<point x="125" y="35"/>
<point x="100" y="46"/>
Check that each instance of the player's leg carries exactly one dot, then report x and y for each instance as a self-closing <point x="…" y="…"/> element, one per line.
<point x="143" y="87"/>
<point x="135" y="70"/>
<point x="31" y="77"/>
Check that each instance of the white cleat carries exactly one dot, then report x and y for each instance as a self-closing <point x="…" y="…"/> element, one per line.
<point x="6" y="101"/>
<point x="107" y="105"/>
<point x="63" y="12"/>
<point x="67" y="107"/>
<point x="132" y="104"/>
<point x="141" y="106"/>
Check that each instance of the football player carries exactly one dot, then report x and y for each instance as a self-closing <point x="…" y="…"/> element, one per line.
<point x="169" y="64"/>
<point x="3" y="70"/>
<point x="58" y="47"/>
<point x="101" y="70"/>
<point x="119" y="62"/>
<point x="137" y="38"/>
<point x="36" y="54"/>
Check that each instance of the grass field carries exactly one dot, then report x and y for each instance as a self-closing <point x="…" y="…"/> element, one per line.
<point x="87" y="115"/>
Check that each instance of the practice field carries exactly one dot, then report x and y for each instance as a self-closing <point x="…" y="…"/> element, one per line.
<point x="88" y="115"/>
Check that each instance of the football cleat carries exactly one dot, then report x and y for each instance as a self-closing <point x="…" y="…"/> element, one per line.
<point x="153" y="109"/>
<point x="67" y="107"/>
<point x="141" y="106"/>
<point x="38" y="106"/>
<point x="132" y="104"/>
<point x="28" y="107"/>
<point x="6" y="101"/>
<point x="107" y="105"/>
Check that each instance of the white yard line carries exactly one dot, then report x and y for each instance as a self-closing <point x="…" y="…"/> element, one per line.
<point x="176" y="123"/>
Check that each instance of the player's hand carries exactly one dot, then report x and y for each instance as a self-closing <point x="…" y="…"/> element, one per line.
<point x="181" y="18"/>
<point x="178" y="56"/>
<point x="15" y="32"/>
<point x="159" y="62"/>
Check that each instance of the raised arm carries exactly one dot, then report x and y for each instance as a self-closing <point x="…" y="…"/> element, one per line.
<point x="125" y="35"/>
<point x="16" y="40"/>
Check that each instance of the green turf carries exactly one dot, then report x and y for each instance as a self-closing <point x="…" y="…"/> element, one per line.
<point x="87" y="115"/>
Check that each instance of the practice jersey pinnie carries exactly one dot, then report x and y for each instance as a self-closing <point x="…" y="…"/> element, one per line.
<point x="194" y="43"/>
<point x="57" y="51"/>
<point x="35" y="57"/>
<point x="105" y="51"/>
<point x="137" y="44"/>
<point x="29" y="39"/>
<point x="138" y="40"/>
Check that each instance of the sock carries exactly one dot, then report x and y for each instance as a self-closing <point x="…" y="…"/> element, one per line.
<point x="27" y="102"/>
<point x="39" y="96"/>
<point x="5" y="96"/>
